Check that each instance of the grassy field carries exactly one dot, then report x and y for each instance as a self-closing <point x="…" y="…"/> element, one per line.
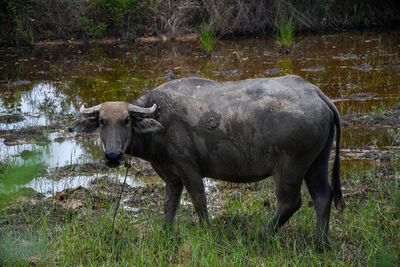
<point x="367" y="233"/>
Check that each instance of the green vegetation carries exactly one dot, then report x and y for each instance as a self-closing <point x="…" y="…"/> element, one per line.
<point x="26" y="21"/>
<point x="92" y="29"/>
<point x="207" y="37"/>
<point x="16" y="14"/>
<point x="379" y="42"/>
<point x="285" y="65"/>
<point x="285" y="29"/>
<point x="367" y="233"/>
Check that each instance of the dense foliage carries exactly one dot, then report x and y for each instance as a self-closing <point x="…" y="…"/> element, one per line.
<point x="26" y="21"/>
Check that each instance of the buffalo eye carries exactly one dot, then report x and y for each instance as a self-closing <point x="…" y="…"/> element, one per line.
<point x="126" y="121"/>
<point x="101" y="122"/>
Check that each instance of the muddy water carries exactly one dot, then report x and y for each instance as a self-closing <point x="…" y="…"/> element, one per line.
<point x="45" y="86"/>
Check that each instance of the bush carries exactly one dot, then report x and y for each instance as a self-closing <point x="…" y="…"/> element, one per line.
<point x="13" y="16"/>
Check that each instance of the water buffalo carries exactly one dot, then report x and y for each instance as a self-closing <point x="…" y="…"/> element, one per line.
<point x="240" y="132"/>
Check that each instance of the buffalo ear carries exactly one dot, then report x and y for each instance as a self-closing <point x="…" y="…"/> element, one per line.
<point x="147" y="126"/>
<point x="85" y="125"/>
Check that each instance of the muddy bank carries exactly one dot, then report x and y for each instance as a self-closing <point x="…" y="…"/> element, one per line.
<point x="30" y="135"/>
<point x="383" y="117"/>
<point x="139" y="168"/>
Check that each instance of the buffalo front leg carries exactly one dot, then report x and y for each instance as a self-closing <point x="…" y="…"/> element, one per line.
<point x="195" y="187"/>
<point x="173" y="194"/>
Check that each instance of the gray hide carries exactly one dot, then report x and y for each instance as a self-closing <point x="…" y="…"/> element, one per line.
<point x="243" y="132"/>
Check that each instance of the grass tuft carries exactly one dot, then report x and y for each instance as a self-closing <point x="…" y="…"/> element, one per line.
<point x="207" y="37"/>
<point x="285" y="28"/>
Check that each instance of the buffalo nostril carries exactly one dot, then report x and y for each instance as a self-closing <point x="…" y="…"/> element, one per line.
<point x="113" y="155"/>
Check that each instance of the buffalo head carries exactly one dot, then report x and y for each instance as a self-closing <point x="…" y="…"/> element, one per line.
<point x="119" y="124"/>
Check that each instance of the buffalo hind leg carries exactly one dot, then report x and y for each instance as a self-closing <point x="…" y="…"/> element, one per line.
<point x="287" y="190"/>
<point x="321" y="193"/>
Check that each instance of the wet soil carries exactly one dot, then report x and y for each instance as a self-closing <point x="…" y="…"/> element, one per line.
<point x="389" y="117"/>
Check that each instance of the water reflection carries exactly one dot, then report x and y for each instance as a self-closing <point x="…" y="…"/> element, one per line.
<point x="54" y="154"/>
<point x="42" y="105"/>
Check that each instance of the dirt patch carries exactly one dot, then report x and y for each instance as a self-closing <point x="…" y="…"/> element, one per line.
<point x="385" y="118"/>
<point x="138" y="197"/>
<point x="150" y="195"/>
<point x="80" y="198"/>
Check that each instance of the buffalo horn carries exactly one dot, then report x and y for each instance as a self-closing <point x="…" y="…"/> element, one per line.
<point x="140" y="110"/>
<point x="91" y="110"/>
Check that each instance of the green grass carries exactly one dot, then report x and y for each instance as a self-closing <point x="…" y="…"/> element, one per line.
<point x="366" y="234"/>
<point x="285" y="28"/>
<point x="207" y="38"/>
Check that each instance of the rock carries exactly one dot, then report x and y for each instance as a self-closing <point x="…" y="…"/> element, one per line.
<point x="362" y="95"/>
<point x="269" y="53"/>
<point x="231" y="73"/>
<point x="385" y="53"/>
<point x="272" y="71"/>
<point x="314" y="69"/>
<point x="346" y="57"/>
<point x="19" y="83"/>
<point x="363" y="67"/>
<point x="396" y="107"/>
<point x="169" y="76"/>
<point x="351" y="86"/>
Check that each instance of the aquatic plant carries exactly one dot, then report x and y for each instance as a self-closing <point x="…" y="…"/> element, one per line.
<point x="285" y="28"/>
<point x="207" y="37"/>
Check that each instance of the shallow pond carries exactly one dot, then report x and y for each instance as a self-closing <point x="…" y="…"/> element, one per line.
<point x="41" y="89"/>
